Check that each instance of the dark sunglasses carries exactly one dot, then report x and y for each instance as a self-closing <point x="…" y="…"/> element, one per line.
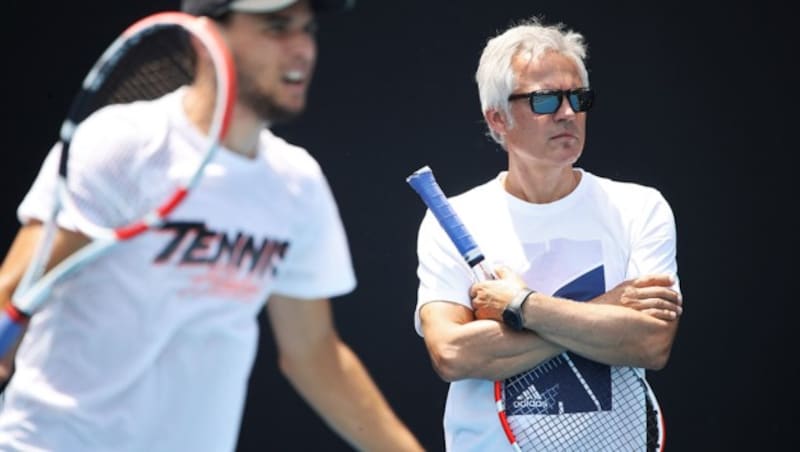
<point x="548" y="101"/>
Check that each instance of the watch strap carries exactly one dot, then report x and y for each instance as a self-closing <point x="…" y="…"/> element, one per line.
<point x="514" y="309"/>
<point x="519" y="298"/>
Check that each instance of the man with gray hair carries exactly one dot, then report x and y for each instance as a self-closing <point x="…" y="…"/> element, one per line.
<point x="584" y="264"/>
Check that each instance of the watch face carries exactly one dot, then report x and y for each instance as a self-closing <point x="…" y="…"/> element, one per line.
<point x="512" y="319"/>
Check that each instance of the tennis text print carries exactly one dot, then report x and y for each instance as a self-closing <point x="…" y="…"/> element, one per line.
<point x="194" y="244"/>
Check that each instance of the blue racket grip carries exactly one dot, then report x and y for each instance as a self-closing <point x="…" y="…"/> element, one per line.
<point x="10" y="330"/>
<point x="423" y="182"/>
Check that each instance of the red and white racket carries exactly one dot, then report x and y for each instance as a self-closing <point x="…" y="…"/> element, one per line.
<point x="153" y="57"/>
<point x="621" y="413"/>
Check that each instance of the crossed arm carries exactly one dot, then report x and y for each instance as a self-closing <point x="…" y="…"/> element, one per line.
<point x="633" y="324"/>
<point x="310" y="352"/>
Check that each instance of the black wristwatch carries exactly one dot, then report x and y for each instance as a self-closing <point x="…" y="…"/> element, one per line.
<point x="512" y="314"/>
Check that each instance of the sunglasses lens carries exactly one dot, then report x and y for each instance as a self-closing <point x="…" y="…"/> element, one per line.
<point x="548" y="102"/>
<point x="581" y="100"/>
<point x="544" y="104"/>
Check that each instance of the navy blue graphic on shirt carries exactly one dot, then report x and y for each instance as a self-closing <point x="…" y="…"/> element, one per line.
<point x="194" y="244"/>
<point x="567" y="383"/>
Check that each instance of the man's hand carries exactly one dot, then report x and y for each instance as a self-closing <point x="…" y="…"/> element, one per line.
<point x="489" y="298"/>
<point x="649" y="294"/>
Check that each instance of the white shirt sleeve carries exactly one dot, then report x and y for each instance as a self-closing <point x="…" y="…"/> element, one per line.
<point x="654" y="240"/>
<point x="38" y="201"/>
<point x="105" y="183"/>
<point x="443" y="274"/>
<point x="318" y="263"/>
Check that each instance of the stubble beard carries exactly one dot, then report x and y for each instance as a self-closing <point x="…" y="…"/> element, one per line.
<point x="265" y="105"/>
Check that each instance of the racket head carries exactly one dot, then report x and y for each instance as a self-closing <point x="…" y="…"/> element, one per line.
<point x="634" y="421"/>
<point x="153" y="57"/>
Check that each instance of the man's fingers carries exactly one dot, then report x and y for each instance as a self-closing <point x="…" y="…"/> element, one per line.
<point x="502" y="271"/>
<point x="659" y="279"/>
<point x="658" y="292"/>
<point x="661" y="314"/>
<point x="659" y="304"/>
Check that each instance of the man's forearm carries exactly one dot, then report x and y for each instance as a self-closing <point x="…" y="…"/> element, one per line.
<point x="605" y="333"/>
<point x="339" y="388"/>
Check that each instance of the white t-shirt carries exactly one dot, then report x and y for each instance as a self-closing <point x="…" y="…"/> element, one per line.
<point x="578" y="247"/>
<point x="150" y="346"/>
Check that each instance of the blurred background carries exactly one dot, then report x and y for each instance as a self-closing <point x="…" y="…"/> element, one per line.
<point x="693" y="98"/>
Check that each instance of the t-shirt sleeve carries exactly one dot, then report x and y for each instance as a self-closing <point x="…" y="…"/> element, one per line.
<point x="654" y="240"/>
<point x="38" y="201"/>
<point x="104" y="180"/>
<point x="443" y="274"/>
<point x="318" y="263"/>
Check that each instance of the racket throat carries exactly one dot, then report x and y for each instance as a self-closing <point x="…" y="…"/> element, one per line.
<point x="17" y="315"/>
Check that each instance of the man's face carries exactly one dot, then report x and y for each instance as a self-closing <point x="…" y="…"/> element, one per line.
<point x="552" y="140"/>
<point x="275" y="55"/>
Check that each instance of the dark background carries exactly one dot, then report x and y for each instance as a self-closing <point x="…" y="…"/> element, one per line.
<point x="694" y="98"/>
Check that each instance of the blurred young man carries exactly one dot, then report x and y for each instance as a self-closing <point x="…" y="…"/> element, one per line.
<point x="140" y="352"/>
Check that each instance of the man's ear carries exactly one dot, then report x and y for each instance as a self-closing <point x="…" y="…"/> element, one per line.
<point x="497" y="121"/>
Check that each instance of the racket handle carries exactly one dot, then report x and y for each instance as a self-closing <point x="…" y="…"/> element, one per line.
<point x="12" y="323"/>
<point x="423" y="182"/>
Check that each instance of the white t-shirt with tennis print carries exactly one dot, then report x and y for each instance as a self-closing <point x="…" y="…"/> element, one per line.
<point x="150" y="346"/>
<point x="578" y="247"/>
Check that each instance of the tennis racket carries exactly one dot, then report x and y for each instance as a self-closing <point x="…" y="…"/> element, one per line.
<point x="153" y="57"/>
<point x="554" y="406"/>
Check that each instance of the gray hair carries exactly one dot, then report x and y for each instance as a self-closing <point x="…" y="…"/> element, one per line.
<point x="496" y="78"/>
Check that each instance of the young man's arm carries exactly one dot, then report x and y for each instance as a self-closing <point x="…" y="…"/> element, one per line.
<point x="331" y="378"/>
<point x="16" y="261"/>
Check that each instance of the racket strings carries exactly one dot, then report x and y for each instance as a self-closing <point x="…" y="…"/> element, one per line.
<point x="536" y="401"/>
<point x="157" y="63"/>
<point x="632" y="423"/>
